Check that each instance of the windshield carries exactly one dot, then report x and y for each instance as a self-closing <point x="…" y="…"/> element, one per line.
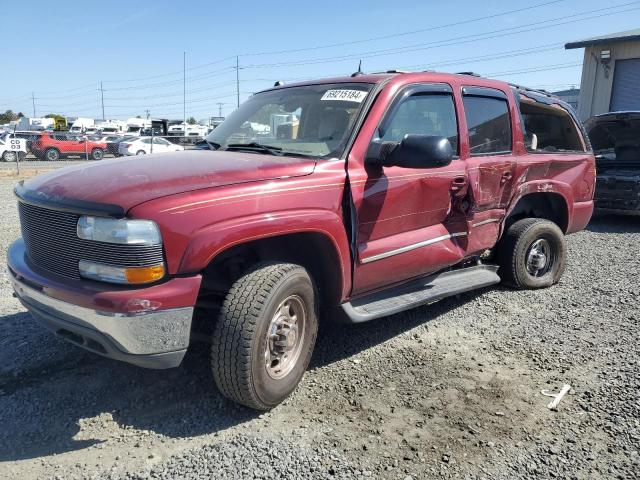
<point x="312" y="120"/>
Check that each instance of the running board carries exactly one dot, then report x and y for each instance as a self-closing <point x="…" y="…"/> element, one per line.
<point x="419" y="292"/>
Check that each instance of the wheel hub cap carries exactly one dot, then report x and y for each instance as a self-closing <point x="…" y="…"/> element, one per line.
<point x="284" y="339"/>
<point x="539" y="258"/>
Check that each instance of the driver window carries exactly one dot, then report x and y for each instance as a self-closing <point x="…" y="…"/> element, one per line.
<point x="424" y="114"/>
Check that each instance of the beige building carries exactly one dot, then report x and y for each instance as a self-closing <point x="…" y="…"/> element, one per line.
<point x="610" y="73"/>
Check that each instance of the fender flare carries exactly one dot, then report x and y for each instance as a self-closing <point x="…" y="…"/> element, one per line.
<point x="543" y="186"/>
<point x="212" y="240"/>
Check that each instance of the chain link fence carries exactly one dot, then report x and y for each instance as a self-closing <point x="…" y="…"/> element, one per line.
<point x="51" y="149"/>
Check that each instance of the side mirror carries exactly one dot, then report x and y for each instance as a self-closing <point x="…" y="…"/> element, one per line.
<point x="414" y="151"/>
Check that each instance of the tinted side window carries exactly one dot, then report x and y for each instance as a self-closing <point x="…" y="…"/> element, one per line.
<point x="426" y="114"/>
<point x="489" y="124"/>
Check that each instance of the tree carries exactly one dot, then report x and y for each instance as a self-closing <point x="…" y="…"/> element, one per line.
<point x="191" y="121"/>
<point x="55" y="116"/>
<point x="7" y="117"/>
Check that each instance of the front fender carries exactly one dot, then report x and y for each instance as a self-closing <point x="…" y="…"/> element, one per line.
<point x="211" y="240"/>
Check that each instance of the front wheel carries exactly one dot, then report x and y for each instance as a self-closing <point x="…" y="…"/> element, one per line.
<point x="141" y="152"/>
<point x="532" y="254"/>
<point x="97" y="154"/>
<point x="265" y="334"/>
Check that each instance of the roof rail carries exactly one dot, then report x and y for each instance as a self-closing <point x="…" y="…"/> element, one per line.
<point x="393" y="70"/>
<point x="473" y="74"/>
<point x="534" y="90"/>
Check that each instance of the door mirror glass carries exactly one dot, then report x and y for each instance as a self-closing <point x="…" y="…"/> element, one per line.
<point x="413" y="151"/>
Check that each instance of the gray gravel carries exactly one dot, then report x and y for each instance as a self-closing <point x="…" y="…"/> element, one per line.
<point x="452" y="390"/>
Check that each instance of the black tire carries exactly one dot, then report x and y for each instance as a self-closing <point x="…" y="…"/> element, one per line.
<point x="240" y="346"/>
<point x="52" y="154"/>
<point x="97" y="154"/>
<point x="519" y="254"/>
<point x="141" y="152"/>
<point x="9" y="156"/>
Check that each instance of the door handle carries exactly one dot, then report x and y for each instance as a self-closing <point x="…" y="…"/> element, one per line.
<point x="458" y="183"/>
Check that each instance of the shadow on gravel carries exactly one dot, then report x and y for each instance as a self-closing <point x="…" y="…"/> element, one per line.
<point x="337" y="341"/>
<point x="43" y="407"/>
<point x="614" y="224"/>
<point x="43" y="404"/>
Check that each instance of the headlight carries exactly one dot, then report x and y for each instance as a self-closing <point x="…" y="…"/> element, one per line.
<point x="123" y="231"/>
<point x="125" y="275"/>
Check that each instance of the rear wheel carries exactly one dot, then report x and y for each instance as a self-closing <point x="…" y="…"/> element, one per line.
<point x="265" y="334"/>
<point x="141" y="152"/>
<point x="97" y="154"/>
<point x="532" y="254"/>
<point x="52" y="154"/>
<point x="9" y="156"/>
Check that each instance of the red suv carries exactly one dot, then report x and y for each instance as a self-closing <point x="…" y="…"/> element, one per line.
<point x="350" y="198"/>
<point x="53" y="146"/>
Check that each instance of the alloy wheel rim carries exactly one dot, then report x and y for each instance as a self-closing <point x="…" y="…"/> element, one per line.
<point x="540" y="258"/>
<point x="285" y="337"/>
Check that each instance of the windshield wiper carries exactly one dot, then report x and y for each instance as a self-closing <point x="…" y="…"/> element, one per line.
<point x="213" y="145"/>
<point x="255" y="147"/>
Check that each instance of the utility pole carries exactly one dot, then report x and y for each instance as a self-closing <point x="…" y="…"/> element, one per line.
<point x="33" y="101"/>
<point x="102" y="100"/>
<point x="184" y="90"/>
<point x="148" y="113"/>
<point x="237" y="80"/>
<point x="220" y="104"/>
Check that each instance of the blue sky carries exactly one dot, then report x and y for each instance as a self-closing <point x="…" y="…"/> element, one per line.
<point x="63" y="50"/>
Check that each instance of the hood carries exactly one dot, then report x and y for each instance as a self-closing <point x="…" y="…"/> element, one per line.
<point x="616" y="132"/>
<point x="130" y="181"/>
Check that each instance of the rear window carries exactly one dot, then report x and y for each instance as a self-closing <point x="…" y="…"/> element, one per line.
<point x="549" y="128"/>
<point x="488" y="123"/>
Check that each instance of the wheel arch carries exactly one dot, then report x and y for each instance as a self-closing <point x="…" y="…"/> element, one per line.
<point x="550" y="205"/>
<point x="314" y="250"/>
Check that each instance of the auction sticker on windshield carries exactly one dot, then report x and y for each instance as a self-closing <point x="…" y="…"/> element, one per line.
<point x="345" y="95"/>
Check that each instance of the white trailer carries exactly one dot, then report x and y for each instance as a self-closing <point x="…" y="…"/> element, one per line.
<point x="135" y="125"/>
<point x="35" y="124"/>
<point x="80" y="125"/>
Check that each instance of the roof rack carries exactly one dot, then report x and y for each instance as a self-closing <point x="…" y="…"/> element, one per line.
<point x="393" y="70"/>
<point x="534" y="90"/>
<point x="473" y="74"/>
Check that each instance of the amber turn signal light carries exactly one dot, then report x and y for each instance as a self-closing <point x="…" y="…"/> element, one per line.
<point x="144" y="274"/>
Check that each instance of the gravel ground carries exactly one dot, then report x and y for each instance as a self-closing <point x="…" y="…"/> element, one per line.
<point x="452" y="390"/>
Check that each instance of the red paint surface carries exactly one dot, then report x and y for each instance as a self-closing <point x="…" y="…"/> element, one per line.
<point x="206" y="202"/>
<point x="77" y="147"/>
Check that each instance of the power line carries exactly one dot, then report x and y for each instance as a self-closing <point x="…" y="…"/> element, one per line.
<point x="457" y="40"/>
<point x="401" y="34"/>
<point x="354" y="42"/>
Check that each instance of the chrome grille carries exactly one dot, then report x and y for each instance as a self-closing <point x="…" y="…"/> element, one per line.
<point x="53" y="244"/>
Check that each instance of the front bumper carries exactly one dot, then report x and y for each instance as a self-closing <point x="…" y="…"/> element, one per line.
<point x="149" y="337"/>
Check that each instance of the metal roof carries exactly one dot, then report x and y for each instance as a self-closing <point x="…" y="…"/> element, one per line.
<point x="626" y="36"/>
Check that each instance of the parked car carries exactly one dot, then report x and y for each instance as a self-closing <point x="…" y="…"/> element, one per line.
<point x="8" y="155"/>
<point x="395" y="190"/>
<point x="144" y="145"/>
<point x="113" y="143"/>
<point x="52" y="147"/>
<point x="615" y="138"/>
